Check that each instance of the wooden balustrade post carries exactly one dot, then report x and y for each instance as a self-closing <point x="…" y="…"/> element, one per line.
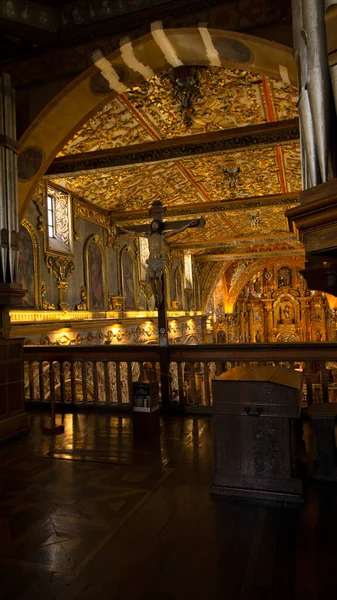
<point x="73" y="381"/>
<point x="309" y="384"/>
<point x="207" y="385"/>
<point x="95" y="380"/>
<point x="53" y="429"/>
<point x="180" y="384"/>
<point x="324" y="382"/>
<point x="41" y="383"/>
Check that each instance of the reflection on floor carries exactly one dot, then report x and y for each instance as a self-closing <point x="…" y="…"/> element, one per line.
<point x="93" y="514"/>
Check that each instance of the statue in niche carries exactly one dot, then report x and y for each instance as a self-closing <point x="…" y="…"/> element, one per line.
<point x="258" y="338"/>
<point x="257" y="286"/>
<point x="286" y="311"/>
<point x="284" y="277"/>
<point x="318" y="335"/>
<point x="83" y="303"/>
<point x="221" y="337"/>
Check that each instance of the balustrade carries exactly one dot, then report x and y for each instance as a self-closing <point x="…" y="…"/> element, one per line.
<point x="103" y="375"/>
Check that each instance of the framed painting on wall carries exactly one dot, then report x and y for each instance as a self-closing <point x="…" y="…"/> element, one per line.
<point x="128" y="279"/>
<point x="94" y="260"/>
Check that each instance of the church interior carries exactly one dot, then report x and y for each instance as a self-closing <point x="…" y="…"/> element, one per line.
<point x="168" y="223"/>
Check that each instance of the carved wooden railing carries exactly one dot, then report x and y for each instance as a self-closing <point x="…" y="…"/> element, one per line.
<point x="103" y="375"/>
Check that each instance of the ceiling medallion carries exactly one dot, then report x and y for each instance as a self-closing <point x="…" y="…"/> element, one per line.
<point x="186" y="91"/>
<point x="254" y="219"/>
<point x="231" y="174"/>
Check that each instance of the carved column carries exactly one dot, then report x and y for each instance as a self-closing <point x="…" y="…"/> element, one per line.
<point x="61" y="267"/>
<point x="13" y="419"/>
<point x="250" y="323"/>
<point x="242" y="325"/>
<point x="269" y="321"/>
<point x="333" y="313"/>
<point x="301" y="320"/>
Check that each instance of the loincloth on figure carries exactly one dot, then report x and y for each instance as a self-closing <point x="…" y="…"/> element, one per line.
<point x="156" y="264"/>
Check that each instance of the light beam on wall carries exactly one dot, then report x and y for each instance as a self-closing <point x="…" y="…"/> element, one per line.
<point x="211" y="51"/>
<point x="164" y="44"/>
<point x="108" y="72"/>
<point x="131" y="61"/>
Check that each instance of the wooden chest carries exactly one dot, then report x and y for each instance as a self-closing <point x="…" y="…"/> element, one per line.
<point x="254" y="433"/>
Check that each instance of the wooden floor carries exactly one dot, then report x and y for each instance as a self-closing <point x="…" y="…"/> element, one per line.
<point x="94" y="515"/>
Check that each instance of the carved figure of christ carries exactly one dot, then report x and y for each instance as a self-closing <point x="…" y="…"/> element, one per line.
<point x="157" y="232"/>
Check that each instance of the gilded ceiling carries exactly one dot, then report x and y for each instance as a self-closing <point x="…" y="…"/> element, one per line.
<point x="196" y="179"/>
<point x="228" y="99"/>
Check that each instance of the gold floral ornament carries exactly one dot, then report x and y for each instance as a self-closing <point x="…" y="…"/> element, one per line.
<point x="39" y="195"/>
<point x="147" y="291"/>
<point x="45" y="304"/>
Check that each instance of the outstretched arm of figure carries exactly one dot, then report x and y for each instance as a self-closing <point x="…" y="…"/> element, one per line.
<point x="179" y="227"/>
<point x="140" y="230"/>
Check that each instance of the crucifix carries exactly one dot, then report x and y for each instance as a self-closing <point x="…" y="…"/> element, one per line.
<point x="156" y="233"/>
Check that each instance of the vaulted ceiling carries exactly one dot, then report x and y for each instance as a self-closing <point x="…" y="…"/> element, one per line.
<point x="150" y="114"/>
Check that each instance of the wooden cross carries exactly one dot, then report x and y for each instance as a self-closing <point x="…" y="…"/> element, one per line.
<point x="157" y="232"/>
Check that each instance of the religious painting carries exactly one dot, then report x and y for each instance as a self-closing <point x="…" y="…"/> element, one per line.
<point x="28" y="265"/>
<point x="95" y="273"/>
<point x="128" y="280"/>
<point x="285" y="277"/>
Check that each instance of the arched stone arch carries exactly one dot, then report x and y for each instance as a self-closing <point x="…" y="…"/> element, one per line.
<point x="80" y="99"/>
<point x="212" y="279"/>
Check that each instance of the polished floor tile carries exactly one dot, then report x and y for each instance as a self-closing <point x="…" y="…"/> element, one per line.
<point x="93" y="513"/>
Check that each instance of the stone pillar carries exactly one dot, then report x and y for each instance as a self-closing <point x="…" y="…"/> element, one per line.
<point x="13" y="419"/>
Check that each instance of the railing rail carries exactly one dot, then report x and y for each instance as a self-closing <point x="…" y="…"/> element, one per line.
<point x="104" y="374"/>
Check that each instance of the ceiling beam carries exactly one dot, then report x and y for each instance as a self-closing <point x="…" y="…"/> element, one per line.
<point x="204" y="208"/>
<point x="249" y="255"/>
<point x="212" y="142"/>
<point x="272" y="238"/>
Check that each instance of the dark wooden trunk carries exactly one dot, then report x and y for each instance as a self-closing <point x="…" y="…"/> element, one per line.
<point x="254" y="445"/>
